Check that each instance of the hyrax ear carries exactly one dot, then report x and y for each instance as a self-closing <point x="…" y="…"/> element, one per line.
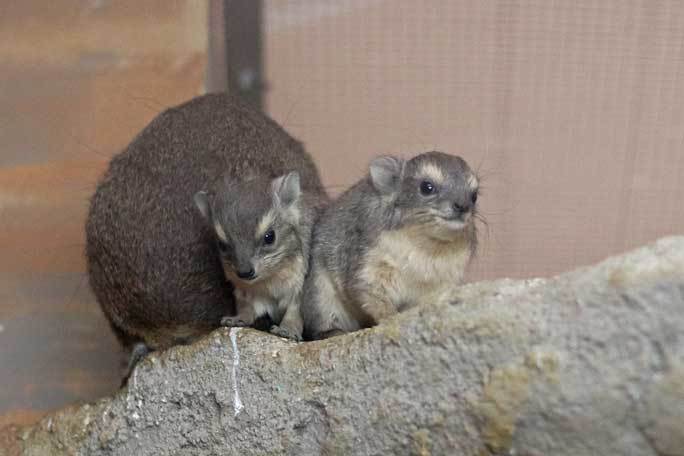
<point x="286" y="189"/>
<point x="386" y="173"/>
<point x="201" y="199"/>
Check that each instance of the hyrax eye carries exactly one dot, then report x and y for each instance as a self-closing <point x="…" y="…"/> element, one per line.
<point x="269" y="237"/>
<point x="427" y="188"/>
<point x="473" y="197"/>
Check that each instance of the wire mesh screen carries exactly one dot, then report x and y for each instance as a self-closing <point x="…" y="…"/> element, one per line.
<point x="78" y="80"/>
<point x="573" y="112"/>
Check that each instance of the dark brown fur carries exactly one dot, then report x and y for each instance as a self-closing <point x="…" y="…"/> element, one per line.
<point x="151" y="258"/>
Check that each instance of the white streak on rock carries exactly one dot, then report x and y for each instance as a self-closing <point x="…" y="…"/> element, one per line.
<point x="130" y="396"/>
<point x="237" y="403"/>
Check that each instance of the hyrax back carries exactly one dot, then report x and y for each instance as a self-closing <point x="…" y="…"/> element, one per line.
<point x="152" y="260"/>
<point x="401" y="236"/>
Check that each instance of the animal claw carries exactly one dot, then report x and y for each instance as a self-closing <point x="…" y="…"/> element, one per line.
<point x="286" y="333"/>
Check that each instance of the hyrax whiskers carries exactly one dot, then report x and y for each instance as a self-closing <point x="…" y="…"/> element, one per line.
<point x="263" y="230"/>
<point x="153" y="260"/>
<point x="401" y="236"/>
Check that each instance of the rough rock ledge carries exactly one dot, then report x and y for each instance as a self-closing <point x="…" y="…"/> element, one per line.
<point x="587" y="363"/>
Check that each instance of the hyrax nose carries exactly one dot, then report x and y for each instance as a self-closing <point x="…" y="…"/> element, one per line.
<point x="246" y="274"/>
<point x="461" y="208"/>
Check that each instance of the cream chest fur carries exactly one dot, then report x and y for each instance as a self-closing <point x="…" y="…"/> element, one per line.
<point x="411" y="268"/>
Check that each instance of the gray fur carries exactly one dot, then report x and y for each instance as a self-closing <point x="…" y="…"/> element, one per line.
<point x="235" y="209"/>
<point x="385" y="174"/>
<point x="201" y="199"/>
<point x="287" y="189"/>
<point x="151" y="255"/>
<point x="386" y="200"/>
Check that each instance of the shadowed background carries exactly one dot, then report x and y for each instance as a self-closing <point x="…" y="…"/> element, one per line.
<point x="572" y="111"/>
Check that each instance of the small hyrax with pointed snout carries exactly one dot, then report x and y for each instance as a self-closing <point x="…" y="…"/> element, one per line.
<point x="401" y="236"/>
<point x="262" y="231"/>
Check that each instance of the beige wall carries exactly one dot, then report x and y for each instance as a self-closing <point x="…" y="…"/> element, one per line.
<point x="572" y="111"/>
<point x="78" y="79"/>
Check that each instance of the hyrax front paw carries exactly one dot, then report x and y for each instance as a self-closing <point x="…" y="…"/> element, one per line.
<point x="282" y="331"/>
<point x="234" y="322"/>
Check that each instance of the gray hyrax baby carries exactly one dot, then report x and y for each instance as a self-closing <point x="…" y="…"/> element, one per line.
<point x="263" y="231"/>
<point x="155" y="264"/>
<point x="401" y="236"/>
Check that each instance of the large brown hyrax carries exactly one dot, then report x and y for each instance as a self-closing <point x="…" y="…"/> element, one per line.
<point x="154" y="262"/>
